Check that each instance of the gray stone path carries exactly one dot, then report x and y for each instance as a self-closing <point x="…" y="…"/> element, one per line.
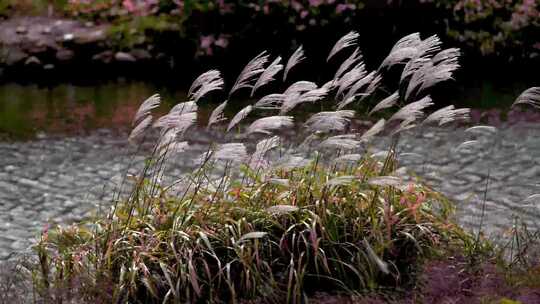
<point x="63" y="179"/>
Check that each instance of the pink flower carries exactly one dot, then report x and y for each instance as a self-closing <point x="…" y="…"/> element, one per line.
<point x="340" y="8"/>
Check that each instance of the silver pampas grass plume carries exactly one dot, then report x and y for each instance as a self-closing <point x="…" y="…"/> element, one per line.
<point x="346" y="41"/>
<point x="270" y="102"/>
<point x="146" y="107"/>
<point x="447" y="115"/>
<point x="349" y="78"/>
<point x="355" y="58"/>
<point x="388" y="102"/>
<point x="374" y="130"/>
<point x="253" y="69"/>
<point x="433" y="72"/>
<point x="292" y="100"/>
<point x="413" y="110"/>
<point x="205" y="83"/>
<point x="530" y="97"/>
<point x="268" y="75"/>
<point x="217" y="114"/>
<point x="270" y="124"/>
<point x="344" y="142"/>
<point x="140" y="128"/>
<point x="300" y="87"/>
<point x="184" y="107"/>
<point x="295" y="59"/>
<point x="239" y="117"/>
<point x="178" y="121"/>
<point x="335" y="121"/>
<point x="354" y="91"/>
<point x="263" y="147"/>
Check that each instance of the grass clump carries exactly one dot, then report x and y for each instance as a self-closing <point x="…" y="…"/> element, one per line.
<point x="307" y="229"/>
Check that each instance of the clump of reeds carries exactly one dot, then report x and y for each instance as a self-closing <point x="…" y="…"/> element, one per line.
<point x="278" y="219"/>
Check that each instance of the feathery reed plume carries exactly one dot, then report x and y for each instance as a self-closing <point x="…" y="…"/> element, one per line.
<point x="205" y="83"/>
<point x="354" y="91"/>
<point x="484" y="130"/>
<point x="329" y="85"/>
<point x="291" y="101"/>
<point x="467" y="144"/>
<point x="411" y="40"/>
<point x="374" y="130"/>
<point x="344" y="42"/>
<point x="430" y="45"/>
<point x="300" y="87"/>
<point x="254" y="68"/>
<point x="344" y="142"/>
<point x="202" y="79"/>
<point x="352" y="76"/>
<point x="217" y="114"/>
<point x="341" y="180"/>
<point x="404" y="125"/>
<point x="268" y="74"/>
<point x="355" y="58"/>
<point x="447" y="55"/>
<point x="296" y="58"/>
<point x="411" y="47"/>
<point x="413" y="110"/>
<point x="388" y="102"/>
<point x="373" y="85"/>
<point x="146" y="107"/>
<point x="178" y="121"/>
<point x="405" y="49"/>
<point x="263" y="147"/>
<point x="385" y="181"/>
<point x="412" y="66"/>
<point x="270" y="102"/>
<point x="270" y="124"/>
<point x="430" y="74"/>
<point x="140" y="128"/>
<point x="335" y="121"/>
<point x="530" y="96"/>
<point x="239" y="117"/>
<point x="184" y="107"/>
<point x="168" y="143"/>
<point x="447" y="114"/>
<point x="281" y="209"/>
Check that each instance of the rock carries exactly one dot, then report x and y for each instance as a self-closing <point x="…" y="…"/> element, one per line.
<point x="90" y="36"/>
<point x="64" y="55"/>
<point x="124" y="57"/>
<point x="46" y="30"/>
<point x="68" y="37"/>
<point x="33" y="60"/>
<point x="141" y="54"/>
<point x="21" y="30"/>
<point x="14" y="56"/>
<point x="105" y="56"/>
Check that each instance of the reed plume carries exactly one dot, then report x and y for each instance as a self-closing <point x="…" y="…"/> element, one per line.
<point x="294" y="60"/>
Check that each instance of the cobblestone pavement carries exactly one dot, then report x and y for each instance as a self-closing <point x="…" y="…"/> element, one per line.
<point x="61" y="180"/>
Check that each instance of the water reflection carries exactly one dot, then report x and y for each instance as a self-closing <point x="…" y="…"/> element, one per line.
<point x="27" y="110"/>
<point x="66" y="108"/>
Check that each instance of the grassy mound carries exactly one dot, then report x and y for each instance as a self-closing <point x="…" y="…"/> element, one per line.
<point x="352" y="229"/>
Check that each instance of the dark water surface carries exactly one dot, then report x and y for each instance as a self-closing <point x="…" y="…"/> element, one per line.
<point x="27" y="110"/>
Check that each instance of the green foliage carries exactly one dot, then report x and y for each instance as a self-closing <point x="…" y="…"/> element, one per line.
<point x="253" y="239"/>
